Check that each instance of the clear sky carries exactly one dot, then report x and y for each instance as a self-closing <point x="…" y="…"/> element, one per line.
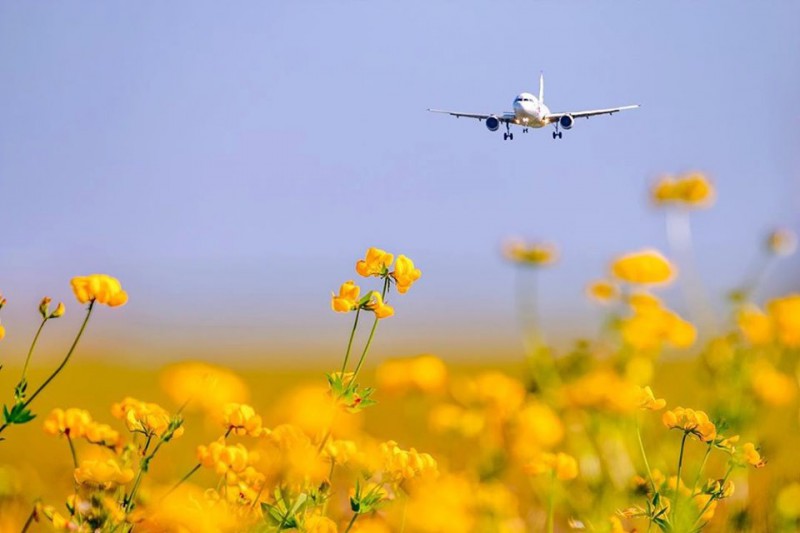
<point x="229" y="163"/>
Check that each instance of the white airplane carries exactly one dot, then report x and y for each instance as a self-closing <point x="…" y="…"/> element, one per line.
<point x="530" y="112"/>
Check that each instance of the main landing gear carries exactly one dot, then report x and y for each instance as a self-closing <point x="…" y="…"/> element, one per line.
<point x="508" y="136"/>
<point x="557" y="134"/>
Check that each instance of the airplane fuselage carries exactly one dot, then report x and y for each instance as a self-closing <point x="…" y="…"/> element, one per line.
<point x="530" y="112"/>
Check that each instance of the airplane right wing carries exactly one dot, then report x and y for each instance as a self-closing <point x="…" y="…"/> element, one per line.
<point x="592" y="113"/>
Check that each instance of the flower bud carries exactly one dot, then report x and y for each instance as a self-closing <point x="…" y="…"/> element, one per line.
<point x="44" y="307"/>
<point x="59" y="312"/>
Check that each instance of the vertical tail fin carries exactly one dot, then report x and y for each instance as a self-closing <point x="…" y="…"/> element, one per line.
<point x="541" y="87"/>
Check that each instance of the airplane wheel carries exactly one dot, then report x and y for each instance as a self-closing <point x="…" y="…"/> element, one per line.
<point x="505" y="136"/>
<point x="560" y="134"/>
<point x="555" y="135"/>
<point x="511" y="136"/>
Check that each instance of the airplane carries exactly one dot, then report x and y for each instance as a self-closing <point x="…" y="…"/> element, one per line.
<point x="530" y="112"/>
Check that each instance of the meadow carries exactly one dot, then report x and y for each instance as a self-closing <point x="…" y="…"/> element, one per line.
<point x="661" y="422"/>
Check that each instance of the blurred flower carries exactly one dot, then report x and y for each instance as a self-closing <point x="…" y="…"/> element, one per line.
<point x="288" y="458"/>
<point x="103" y="435"/>
<point x="102" y="473"/>
<point x="535" y="428"/>
<point x="376" y="263"/>
<point x="405" y="273"/>
<point x="441" y="504"/>
<point x="348" y="298"/>
<point x="772" y="387"/>
<point x="755" y="325"/>
<point x="72" y="422"/>
<point x="426" y="374"/>
<point x="451" y="418"/>
<point x="204" y="386"/>
<point x="319" y="524"/>
<point x="751" y="456"/>
<point x="690" y="190"/>
<point x="645" y="267"/>
<point x="100" y="288"/>
<point x="648" y="400"/>
<point x="376" y="305"/>
<point x="530" y="254"/>
<point x="604" y="390"/>
<point x="190" y="509"/>
<point x="2" y="331"/>
<point x="314" y="411"/>
<point x="340" y="451"/>
<point x="241" y="419"/>
<point x="782" y="241"/>
<point x="651" y="325"/>
<point x="785" y="313"/>
<point x="788" y="502"/>
<point x="602" y="291"/>
<point x="690" y="421"/>
<point x="222" y="457"/>
<point x="563" y="466"/>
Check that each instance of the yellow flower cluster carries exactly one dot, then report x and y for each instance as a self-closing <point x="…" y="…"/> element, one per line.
<point x="561" y="465"/>
<point x="771" y="386"/>
<point x="106" y="474"/>
<point x="651" y="325"/>
<point x="781" y="322"/>
<point x="77" y="423"/>
<point x="690" y="421"/>
<point x="99" y="288"/>
<point x="399" y="464"/>
<point x="645" y="267"/>
<point x="689" y="190"/>
<point x="242" y="419"/>
<point x="604" y="390"/>
<point x="149" y="419"/>
<point x="223" y="457"/>
<point x="426" y="374"/>
<point x="530" y="254"/>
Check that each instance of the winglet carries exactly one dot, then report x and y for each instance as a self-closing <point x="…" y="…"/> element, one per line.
<point x="541" y="87"/>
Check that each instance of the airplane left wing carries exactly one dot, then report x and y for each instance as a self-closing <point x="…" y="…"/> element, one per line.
<point x="552" y="117"/>
<point x="502" y="117"/>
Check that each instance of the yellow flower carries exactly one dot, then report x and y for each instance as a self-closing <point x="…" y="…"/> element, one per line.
<point x="103" y="435"/>
<point x="99" y="288"/>
<point x="319" y="524"/>
<point x="203" y="386"/>
<point x="405" y="273"/>
<point x="788" y="503"/>
<point x="348" y="298"/>
<point x="2" y="331"/>
<point x="340" y="451"/>
<point x="751" y="455"/>
<point x="72" y="422"/>
<point x="531" y="254"/>
<point x="242" y="420"/>
<point x="102" y="473"/>
<point x="689" y="190"/>
<point x="755" y="325"/>
<point x="401" y="464"/>
<point x="648" y="400"/>
<point x="564" y="466"/>
<point x="602" y="291"/>
<point x="772" y="387"/>
<point x="376" y="263"/>
<point x="690" y="421"/>
<point x="376" y="305"/>
<point x="223" y="458"/>
<point x="147" y="418"/>
<point x="59" y="312"/>
<point x="782" y="242"/>
<point x="785" y="313"/>
<point x="645" y="267"/>
<point x="424" y="373"/>
<point x="652" y="325"/>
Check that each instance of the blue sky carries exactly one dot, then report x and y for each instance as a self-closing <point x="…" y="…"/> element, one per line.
<point x="230" y="164"/>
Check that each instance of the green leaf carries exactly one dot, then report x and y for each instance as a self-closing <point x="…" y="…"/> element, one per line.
<point x="18" y="414"/>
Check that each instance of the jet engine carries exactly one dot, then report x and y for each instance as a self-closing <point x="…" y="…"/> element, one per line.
<point x="492" y="123"/>
<point x="566" y="121"/>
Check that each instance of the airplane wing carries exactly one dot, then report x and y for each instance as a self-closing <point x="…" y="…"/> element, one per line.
<point x="502" y="117"/>
<point x="552" y="117"/>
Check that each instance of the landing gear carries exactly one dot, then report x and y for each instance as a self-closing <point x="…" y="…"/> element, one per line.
<point x="557" y="135"/>
<point x="508" y="136"/>
<point x="524" y="130"/>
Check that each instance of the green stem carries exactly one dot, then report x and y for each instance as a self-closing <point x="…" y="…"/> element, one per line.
<point x="678" y="480"/>
<point x="350" y="342"/>
<point x="710" y="500"/>
<point x="350" y="525"/>
<point x="139" y="474"/>
<point x="29" y="521"/>
<point x="364" y="353"/>
<point x="644" y="457"/>
<point x="702" y="466"/>
<point x="30" y="350"/>
<point x="551" y="504"/>
<point x="72" y="450"/>
<point x="63" y="363"/>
